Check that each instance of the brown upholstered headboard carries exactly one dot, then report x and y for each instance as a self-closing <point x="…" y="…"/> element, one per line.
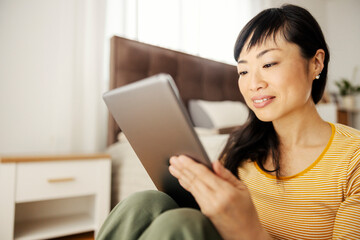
<point x="196" y="77"/>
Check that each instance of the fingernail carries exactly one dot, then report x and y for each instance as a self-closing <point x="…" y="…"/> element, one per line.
<point x="172" y="159"/>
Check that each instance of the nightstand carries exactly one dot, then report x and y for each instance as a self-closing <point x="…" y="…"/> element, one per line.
<point x="51" y="196"/>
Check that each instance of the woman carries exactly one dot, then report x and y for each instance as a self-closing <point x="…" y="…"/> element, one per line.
<point x="287" y="174"/>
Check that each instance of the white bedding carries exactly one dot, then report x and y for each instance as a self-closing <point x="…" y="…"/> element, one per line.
<point x="129" y="176"/>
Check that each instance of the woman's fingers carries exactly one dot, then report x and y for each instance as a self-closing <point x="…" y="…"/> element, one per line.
<point x="221" y="196"/>
<point x="193" y="176"/>
<point x="185" y="178"/>
<point x="199" y="180"/>
<point x="189" y="180"/>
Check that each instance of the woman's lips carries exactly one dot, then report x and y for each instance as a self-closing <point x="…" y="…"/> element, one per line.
<point x="262" y="101"/>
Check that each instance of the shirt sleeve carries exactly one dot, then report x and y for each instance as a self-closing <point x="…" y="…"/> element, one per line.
<point x="347" y="221"/>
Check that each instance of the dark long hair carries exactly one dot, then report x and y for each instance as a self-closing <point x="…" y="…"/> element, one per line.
<point x="257" y="140"/>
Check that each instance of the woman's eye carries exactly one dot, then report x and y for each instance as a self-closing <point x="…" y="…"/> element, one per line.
<point x="242" y="73"/>
<point x="269" y="65"/>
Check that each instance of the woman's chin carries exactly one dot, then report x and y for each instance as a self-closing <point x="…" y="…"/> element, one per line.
<point x="265" y="117"/>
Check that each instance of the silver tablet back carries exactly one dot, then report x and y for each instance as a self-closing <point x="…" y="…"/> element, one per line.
<point x="154" y="120"/>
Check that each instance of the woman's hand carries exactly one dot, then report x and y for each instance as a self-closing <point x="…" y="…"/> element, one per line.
<point x="223" y="198"/>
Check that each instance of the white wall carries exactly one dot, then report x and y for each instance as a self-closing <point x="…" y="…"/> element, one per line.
<point x="343" y="33"/>
<point x="48" y="76"/>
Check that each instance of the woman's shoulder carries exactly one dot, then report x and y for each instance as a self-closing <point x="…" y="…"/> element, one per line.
<point x="344" y="149"/>
<point x="346" y="140"/>
<point x="346" y="132"/>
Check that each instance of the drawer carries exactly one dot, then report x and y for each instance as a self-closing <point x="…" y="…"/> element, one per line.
<point x="56" y="179"/>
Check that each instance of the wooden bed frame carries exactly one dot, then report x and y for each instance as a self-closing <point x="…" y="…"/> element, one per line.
<point x="196" y="77"/>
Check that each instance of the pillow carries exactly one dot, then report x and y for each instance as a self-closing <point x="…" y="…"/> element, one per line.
<point x="206" y="131"/>
<point x="217" y="114"/>
<point x="121" y="137"/>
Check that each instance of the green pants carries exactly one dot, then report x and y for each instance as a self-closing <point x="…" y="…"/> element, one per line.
<point x="155" y="215"/>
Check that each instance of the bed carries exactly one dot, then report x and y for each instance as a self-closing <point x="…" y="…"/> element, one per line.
<point x="208" y="89"/>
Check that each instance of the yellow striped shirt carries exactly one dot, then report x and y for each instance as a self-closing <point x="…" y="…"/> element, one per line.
<point x="321" y="202"/>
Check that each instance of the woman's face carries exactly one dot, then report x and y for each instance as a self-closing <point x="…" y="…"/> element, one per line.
<point x="275" y="79"/>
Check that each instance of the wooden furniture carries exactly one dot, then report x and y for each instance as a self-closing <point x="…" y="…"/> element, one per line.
<point x="50" y="196"/>
<point x="80" y="236"/>
<point x="348" y="116"/>
<point x="343" y="116"/>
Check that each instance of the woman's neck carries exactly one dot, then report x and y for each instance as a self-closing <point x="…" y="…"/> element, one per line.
<point x="302" y="128"/>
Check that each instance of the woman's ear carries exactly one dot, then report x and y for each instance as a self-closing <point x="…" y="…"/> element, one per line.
<point x="318" y="62"/>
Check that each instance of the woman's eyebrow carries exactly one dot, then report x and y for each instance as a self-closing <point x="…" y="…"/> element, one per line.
<point x="241" y="61"/>
<point x="266" y="51"/>
<point x="260" y="54"/>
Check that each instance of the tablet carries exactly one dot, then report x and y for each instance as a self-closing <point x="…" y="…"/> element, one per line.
<point x="157" y="126"/>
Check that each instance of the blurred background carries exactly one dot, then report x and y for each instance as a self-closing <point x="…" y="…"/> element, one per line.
<point x="54" y="57"/>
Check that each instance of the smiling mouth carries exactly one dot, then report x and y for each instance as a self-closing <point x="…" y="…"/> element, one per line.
<point x="262" y="100"/>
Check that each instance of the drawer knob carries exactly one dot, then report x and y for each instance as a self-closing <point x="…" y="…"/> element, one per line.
<point x="58" y="180"/>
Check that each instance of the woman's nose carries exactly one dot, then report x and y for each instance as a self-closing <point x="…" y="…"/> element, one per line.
<point x="257" y="82"/>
